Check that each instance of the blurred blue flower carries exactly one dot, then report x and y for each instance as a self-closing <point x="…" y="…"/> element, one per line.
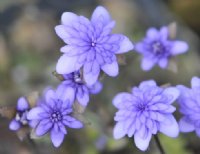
<point x="144" y="112"/>
<point x="157" y="48"/>
<point x="90" y="45"/>
<point x="78" y="90"/>
<point x="20" y="119"/>
<point x="53" y="114"/>
<point x="189" y="102"/>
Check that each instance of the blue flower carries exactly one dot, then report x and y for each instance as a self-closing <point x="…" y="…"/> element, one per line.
<point x="53" y="114"/>
<point x="157" y="48"/>
<point x="189" y="102"/>
<point x="20" y="118"/>
<point x="90" y="45"/>
<point x="144" y="112"/>
<point x="74" y="87"/>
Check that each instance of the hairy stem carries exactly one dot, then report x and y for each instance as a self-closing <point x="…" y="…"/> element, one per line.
<point x="159" y="145"/>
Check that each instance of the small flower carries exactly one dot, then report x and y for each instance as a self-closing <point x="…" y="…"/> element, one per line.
<point x="157" y="48"/>
<point x="144" y="112"/>
<point x="53" y="114"/>
<point x="20" y="118"/>
<point x="90" y="45"/>
<point x="74" y="87"/>
<point x="189" y="102"/>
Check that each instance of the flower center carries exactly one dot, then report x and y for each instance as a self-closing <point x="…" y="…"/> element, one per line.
<point x="157" y="48"/>
<point x="77" y="77"/>
<point x="93" y="44"/>
<point x="141" y="107"/>
<point x="56" y="116"/>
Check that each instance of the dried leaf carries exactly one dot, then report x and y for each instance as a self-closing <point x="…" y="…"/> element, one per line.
<point x="7" y="112"/>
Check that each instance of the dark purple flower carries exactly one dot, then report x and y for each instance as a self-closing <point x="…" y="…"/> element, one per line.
<point x="144" y="112"/>
<point x="78" y="90"/>
<point x="90" y="45"/>
<point x="189" y="101"/>
<point x="21" y="115"/>
<point x="53" y="114"/>
<point x="157" y="48"/>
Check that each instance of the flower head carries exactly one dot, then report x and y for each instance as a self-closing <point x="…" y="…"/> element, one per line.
<point x="189" y="102"/>
<point x="20" y="118"/>
<point x="52" y="115"/>
<point x="157" y="48"/>
<point x="144" y="112"/>
<point x="90" y="45"/>
<point x="74" y="87"/>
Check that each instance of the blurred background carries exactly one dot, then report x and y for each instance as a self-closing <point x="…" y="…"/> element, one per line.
<point x="29" y="50"/>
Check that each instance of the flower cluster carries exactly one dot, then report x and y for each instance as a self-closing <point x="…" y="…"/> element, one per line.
<point x="144" y="112"/>
<point x="157" y="48"/>
<point x="20" y="118"/>
<point x="189" y="102"/>
<point x="91" y="47"/>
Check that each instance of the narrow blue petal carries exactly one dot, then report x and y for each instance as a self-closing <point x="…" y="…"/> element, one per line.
<point x="57" y="137"/>
<point x="14" y="125"/>
<point x="22" y="104"/>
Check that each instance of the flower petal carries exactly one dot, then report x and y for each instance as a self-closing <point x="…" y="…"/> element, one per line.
<point x="89" y="77"/>
<point x="118" y="100"/>
<point x="72" y="123"/>
<point x="172" y="93"/>
<point x="169" y="127"/>
<point x="118" y="131"/>
<point x="50" y="96"/>
<point x="111" y="69"/>
<point x="42" y="129"/>
<point x="57" y="137"/>
<point x="179" y="47"/>
<point x="195" y="82"/>
<point x="164" y="33"/>
<point x="66" y="93"/>
<point x="83" y="98"/>
<point x="22" y="104"/>
<point x="34" y="113"/>
<point x="125" y="45"/>
<point x="14" y="125"/>
<point x="147" y="64"/>
<point x="163" y="62"/>
<point x="142" y="143"/>
<point x="96" y="88"/>
<point x="100" y="12"/>
<point x="67" y="64"/>
<point x="68" y="18"/>
<point x="147" y="83"/>
<point x="61" y="32"/>
<point x="185" y="126"/>
<point x="152" y="33"/>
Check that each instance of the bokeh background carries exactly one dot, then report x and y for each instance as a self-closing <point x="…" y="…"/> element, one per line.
<point x="29" y="50"/>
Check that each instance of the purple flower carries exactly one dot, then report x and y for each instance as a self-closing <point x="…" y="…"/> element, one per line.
<point x="53" y="114"/>
<point x="144" y="112"/>
<point x="189" y="101"/>
<point x="157" y="48"/>
<point x="90" y="45"/>
<point x="74" y="87"/>
<point x="21" y="115"/>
